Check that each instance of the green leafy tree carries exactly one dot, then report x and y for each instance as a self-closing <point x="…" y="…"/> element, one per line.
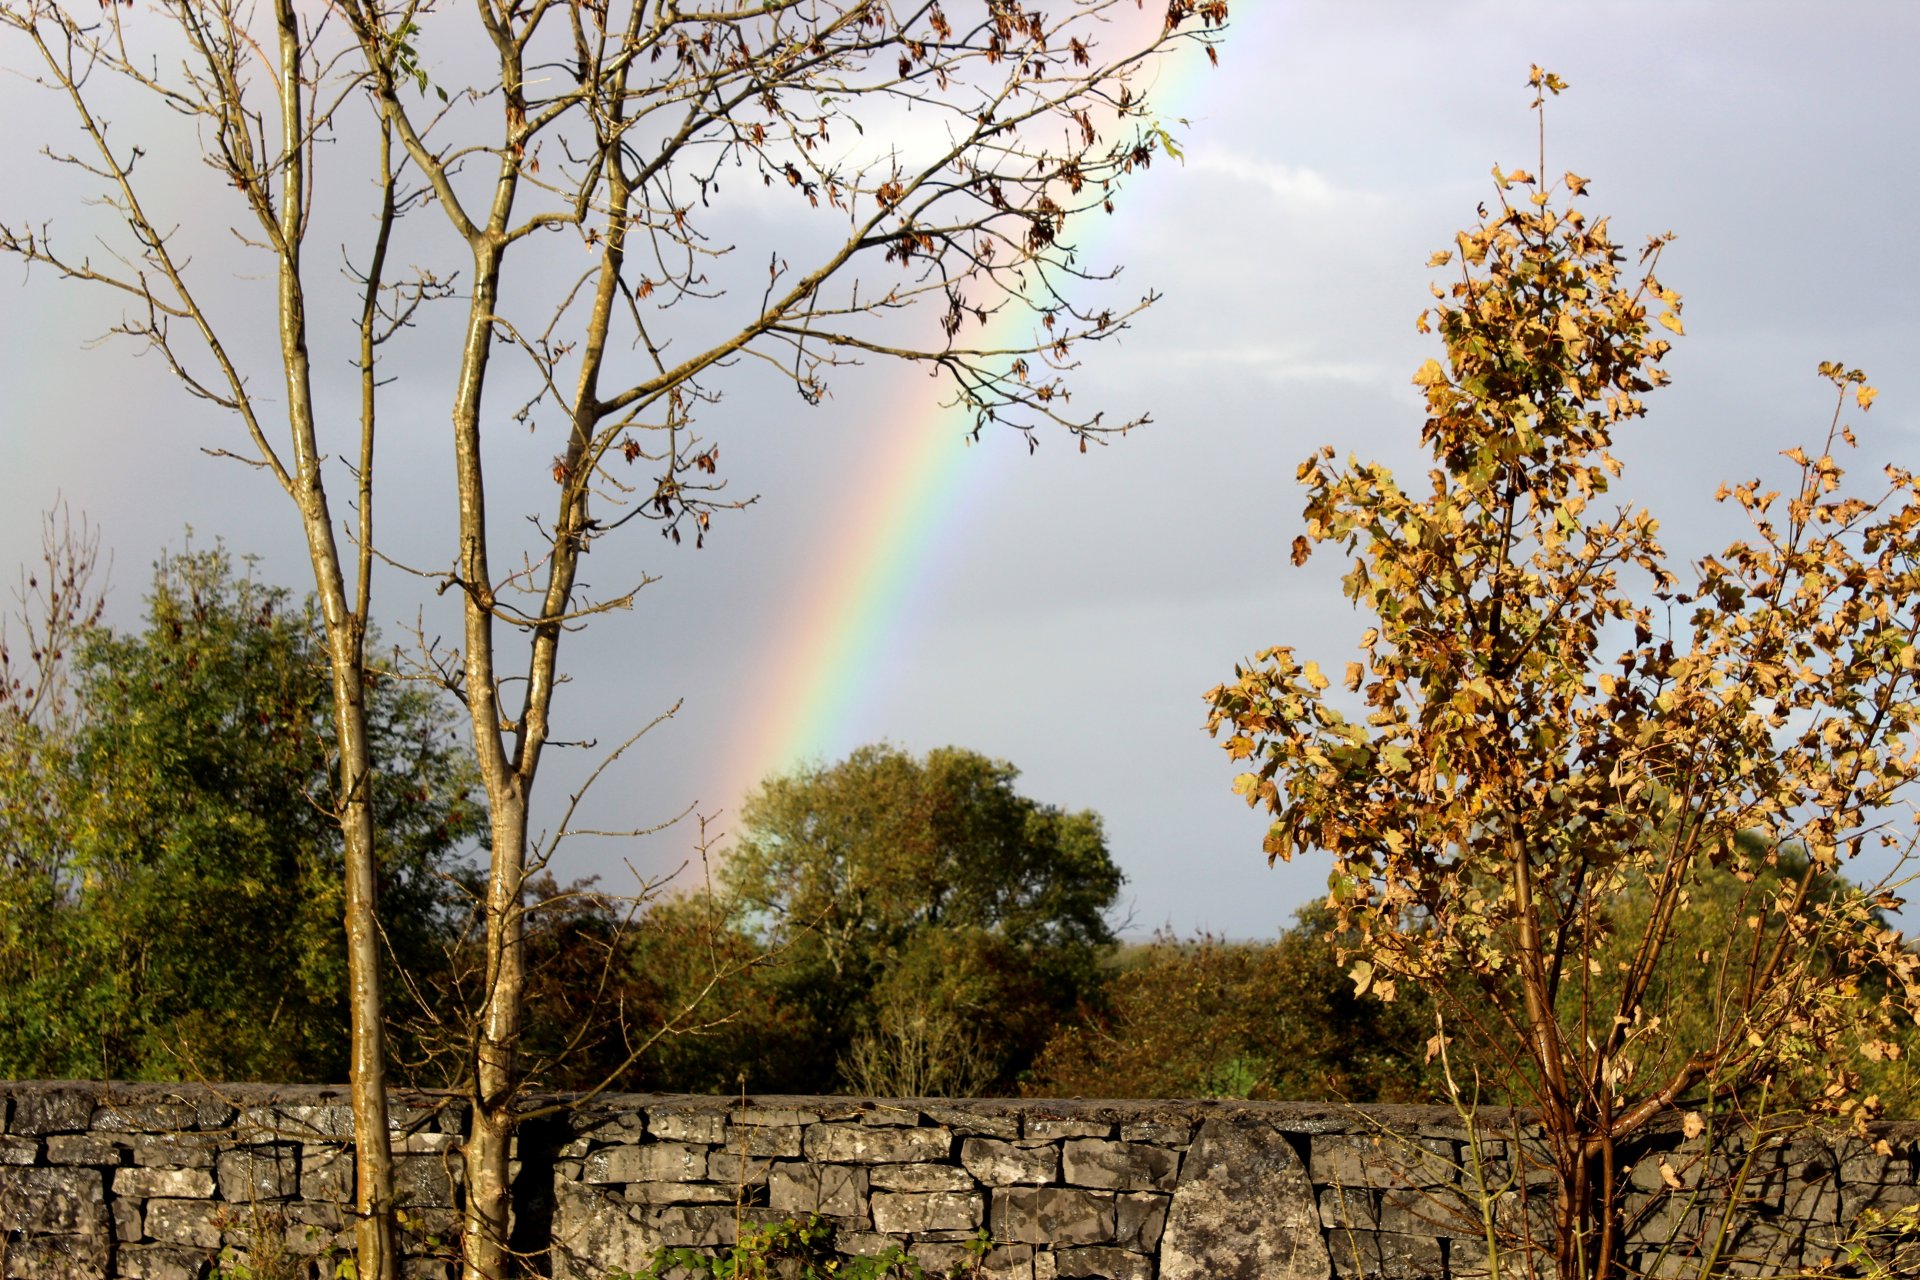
<point x="893" y="889"/>
<point x="1212" y="1018"/>
<point x="174" y="893"/>
<point x="1545" y="724"/>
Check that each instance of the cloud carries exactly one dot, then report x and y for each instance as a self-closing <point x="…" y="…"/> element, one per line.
<point x="1295" y="187"/>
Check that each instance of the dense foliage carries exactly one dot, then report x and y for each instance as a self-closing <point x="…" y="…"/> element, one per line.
<point x="1547" y="724"/>
<point x="170" y="887"/>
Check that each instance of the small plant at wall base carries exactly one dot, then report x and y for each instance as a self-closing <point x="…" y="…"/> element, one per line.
<point x="1546" y="724"/>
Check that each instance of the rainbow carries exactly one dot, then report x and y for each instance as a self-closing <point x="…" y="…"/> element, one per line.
<point x="849" y="613"/>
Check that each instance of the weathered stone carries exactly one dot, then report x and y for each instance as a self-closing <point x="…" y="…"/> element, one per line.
<point x="863" y="1144"/>
<point x="55" y="1110"/>
<point x="425" y="1181"/>
<point x="333" y="1120"/>
<point x="1168" y="1133"/>
<point x="694" y="1226"/>
<point x="1429" y="1211"/>
<point x="185" y="1184"/>
<point x="890" y="1115"/>
<point x="425" y="1142"/>
<point x="1138" y="1219"/>
<point x="18" y="1150"/>
<point x="654" y="1162"/>
<point x="199" y="1111"/>
<point x="1382" y="1160"/>
<point x="1383" y="1255"/>
<point x="1049" y="1127"/>
<point x="82" y="1148"/>
<point x="709" y="1127"/>
<point x="1005" y="1164"/>
<point x="919" y="1177"/>
<point x="249" y="1174"/>
<point x="189" y="1150"/>
<point x="940" y="1257"/>
<point x="836" y="1190"/>
<point x="904" y="1212"/>
<point x="679" y="1193"/>
<point x="326" y="1174"/>
<point x="57" y="1258"/>
<point x="781" y="1140"/>
<point x="1342" y="1207"/>
<point x="596" y="1234"/>
<point x="1118" y="1166"/>
<point x="1052" y="1215"/>
<point x="159" y="1262"/>
<point x="185" y="1221"/>
<point x="773" y="1116"/>
<point x="127" y="1227"/>
<point x="1244" y="1210"/>
<point x="725" y="1167"/>
<point x="1104" y="1262"/>
<point x="37" y="1201"/>
<point x="967" y="1122"/>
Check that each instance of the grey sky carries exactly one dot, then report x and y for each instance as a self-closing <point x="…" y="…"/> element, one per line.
<point x="1073" y="613"/>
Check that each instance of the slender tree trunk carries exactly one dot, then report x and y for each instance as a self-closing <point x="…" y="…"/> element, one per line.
<point x="346" y="630"/>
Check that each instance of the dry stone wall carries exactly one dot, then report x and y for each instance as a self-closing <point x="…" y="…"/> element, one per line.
<point x="154" y="1182"/>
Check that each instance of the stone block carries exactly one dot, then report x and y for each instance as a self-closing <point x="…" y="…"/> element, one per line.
<point x="425" y="1182"/>
<point x="1167" y="1133"/>
<point x="1049" y="1127"/>
<point x="904" y="1212"/>
<point x="709" y="1127"/>
<point x="773" y="1116"/>
<point x="306" y="1122"/>
<point x="34" y="1201"/>
<point x="733" y="1171"/>
<point x="18" y="1150"/>
<point x="1052" y="1216"/>
<point x="1005" y="1164"/>
<point x="1139" y="1218"/>
<point x="1342" y="1207"/>
<point x="940" y="1257"/>
<point x="1118" y="1166"/>
<point x="326" y="1175"/>
<point x="158" y="1262"/>
<point x="181" y="1114"/>
<point x="1382" y="1161"/>
<point x="968" y="1123"/>
<point x="891" y="1114"/>
<point x="653" y="1162"/>
<point x="1103" y="1262"/>
<point x="1381" y="1255"/>
<point x="127" y="1225"/>
<point x="679" y="1193"/>
<point x="693" y="1226"/>
<point x="780" y="1140"/>
<point x="184" y="1184"/>
<point x="835" y="1190"/>
<point x="190" y="1150"/>
<point x="39" y="1112"/>
<point x="83" y="1148"/>
<point x="1429" y="1211"/>
<point x="250" y="1174"/>
<point x="1243" y="1210"/>
<point x="864" y="1144"/>
<point x="194" y="1222"/>
<point x="919" y="1177"/>
<point x="57" y="1258"/>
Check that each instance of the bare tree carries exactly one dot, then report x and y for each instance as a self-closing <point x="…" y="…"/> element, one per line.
<point x="936" y="167"/>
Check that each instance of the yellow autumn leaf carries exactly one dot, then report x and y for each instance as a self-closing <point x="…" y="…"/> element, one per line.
<point x="1430" y="374"/>
<point x="1692" y="1125"/>
<point x="1864" y="396"/>
<point x="1672" y="321"/>
<point x="1355" y="673"/>
<point x="1311" y="672"/>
